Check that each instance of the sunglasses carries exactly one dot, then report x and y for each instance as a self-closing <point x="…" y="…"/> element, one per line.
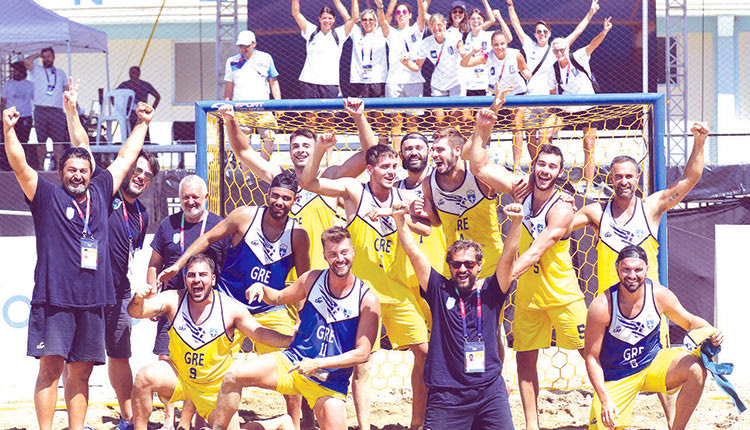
<point x="368" y="20"/>
<point x="138" y="172"/>
<point x="458" y="11"/>
<point x="401" y="11"/>
<point x="542" y="32"/>
<point x="468" y="263"/>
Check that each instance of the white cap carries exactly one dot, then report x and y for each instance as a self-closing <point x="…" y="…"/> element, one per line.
<point x="246" y="37"/>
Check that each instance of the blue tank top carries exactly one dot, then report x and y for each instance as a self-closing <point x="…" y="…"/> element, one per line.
<point x="630" y="344"/>
<point x="257" y="259"/>
<point x="328" y="328"/>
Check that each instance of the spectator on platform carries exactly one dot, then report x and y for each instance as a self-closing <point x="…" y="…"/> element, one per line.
<point x="369" y="64"/>
<point x="19" y="92"/>
<point x="142" y="90"/>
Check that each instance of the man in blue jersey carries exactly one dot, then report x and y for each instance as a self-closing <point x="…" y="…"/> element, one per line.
<point x="338" y="326"/>
<point x="623" y="353"/>
<point x="266" y="243"/>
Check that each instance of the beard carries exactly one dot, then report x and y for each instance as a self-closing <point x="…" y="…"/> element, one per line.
<point x="76" y="191"/>
<point x="415" y="165"/>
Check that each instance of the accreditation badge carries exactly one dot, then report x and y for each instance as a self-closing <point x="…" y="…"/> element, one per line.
<point x="367" y="71"/>
<point x="89" y="253"/>
<point x="474" y="357"/>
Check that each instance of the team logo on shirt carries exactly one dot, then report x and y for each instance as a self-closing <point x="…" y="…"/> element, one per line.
<point x="450" y="50"/>
<point x="414" y="38"/>
<point x="116" y="204"/>
<point x="471" y="196"/>
<point x="433" y="53"/>
<point x="450" y="303"/>
<point x="176" y="238"/>
<point x="69" y="212"/>
<point x="213" y="332"/>
<point x="282" y="250"/>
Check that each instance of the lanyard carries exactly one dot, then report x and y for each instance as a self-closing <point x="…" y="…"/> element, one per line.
<point x="442" y="45"/>
<point x="501" y="72"/>
<point x="86" y="230"/>
<point x="54" y="83"/>
<point x="127" y="221"/>
<point x="182" y="231"/>
<point x="567" y="75"/>
<point x="362" y="48"/>
<point x="463" y="314"/>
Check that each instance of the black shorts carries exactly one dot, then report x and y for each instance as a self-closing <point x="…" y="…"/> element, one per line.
<point x="475" y="93"/>
<point x="315" y="91"/>
<point x="367" y="90"/>
<point x="161" y="343"/>
<point x="75" y="334"/>
<point x="581" y="119"/>
<point x="119" y="326"/>
<point x="484" y="408"/>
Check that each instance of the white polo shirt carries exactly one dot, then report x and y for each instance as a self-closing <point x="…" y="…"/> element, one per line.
<point x="19" y="94"/>
<point x="323" y="55"/>
<point x="400" y="43"/>
<point x="369" y="62"/>
<point x="504" y="73"/>
<point x="445" y="57"/>
<point x="534" y="54"/>
<point x="49" y="85"/>
<point x="250" y="77"/>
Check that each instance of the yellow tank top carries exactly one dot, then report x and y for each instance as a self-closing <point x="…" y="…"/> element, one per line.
<point x="375" y="247"/>
<point x="314" y="214"/>
<point x="613" y="237"/>
<point x="201" y="353"/>
<point x="432" y="246"/>
<point x="466" y="213"/>
<point x="552" y="280"/>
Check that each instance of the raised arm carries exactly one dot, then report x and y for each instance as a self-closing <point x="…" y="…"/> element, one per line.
<point x="504" y="270"/>
<point x="496" y="176"/>
<point x="78" y="136"/>
<point x="491" y="18"/>
<point x="342" y="9"/>
<point x="26" y="176"/>
<point x="584" y="23"/>
<point x="599" y="37"/>
<point x="384" y="19"/>
<point x="658" y="203"/>
<point x="29" y="61"/>
<point x="341" y="187"/>
<point x="132" y="146"/>
<point x="596" y="323"/>
<point x="421" y="13"/>
<point x="419" y="261"/>
<point x="262" y="168"/>
<point x="506" y="30"/>
<point x="351" y="21"/>
<point x="356" y="164"/>
<point x="559" y="220"/>
<point x="301" y="20"/>
<point x="587" y="215"/>
<point x="230" y="226"/>
<point x="367" y="331"/>
<point x="515" y="22"/>
<point x="147" y="304"/>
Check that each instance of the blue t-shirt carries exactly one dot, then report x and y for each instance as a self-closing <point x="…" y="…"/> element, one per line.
<point x="59" y="279"/>
<point x="167" y="243"/>
<point x="120" y="239"/>
<point x="445" y="360"/>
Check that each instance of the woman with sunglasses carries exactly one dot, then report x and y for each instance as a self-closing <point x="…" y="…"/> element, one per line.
<point x="369" y="65"/>
<point x="320" y="74"/>
<point x="540" y="60"/>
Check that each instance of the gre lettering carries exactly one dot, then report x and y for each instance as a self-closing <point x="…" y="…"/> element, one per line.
<point x="261" y="275"/>
<point x="462" y="224"/>
<point x="632" y="353"/>
<point x="383" y="245"/>
<point x="194" y="358"/>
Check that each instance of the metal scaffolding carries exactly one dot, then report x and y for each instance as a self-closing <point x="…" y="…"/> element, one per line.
<point x="676" y="82"/>
<point x="226" y="34"/>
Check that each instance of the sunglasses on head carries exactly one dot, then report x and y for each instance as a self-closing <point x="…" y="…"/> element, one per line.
<point x="138" y="172"/>
<point x="401" y="11"/>
<point x="470" y="264"/>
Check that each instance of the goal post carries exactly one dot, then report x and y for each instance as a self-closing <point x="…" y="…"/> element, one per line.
<point x="632" y="124"/>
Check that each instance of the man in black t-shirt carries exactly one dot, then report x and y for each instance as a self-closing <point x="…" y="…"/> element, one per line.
<point x="72" y="278"/>
<point x="463" y="365"/>
<point x="142" y="90"/>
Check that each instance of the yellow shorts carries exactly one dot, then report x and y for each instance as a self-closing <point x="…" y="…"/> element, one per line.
<point x="281" y="320"/>
<point x="624" y="391"/>
<point x="295" y="384"/>
<point x="404" y="322"/>
<point x="203" y="396"/>
<point x="532" y="328"/>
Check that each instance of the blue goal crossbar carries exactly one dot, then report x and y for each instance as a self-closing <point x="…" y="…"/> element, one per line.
<point x="657" y="153"/>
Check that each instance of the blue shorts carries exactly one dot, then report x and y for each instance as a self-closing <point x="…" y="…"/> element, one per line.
<point x="484" y="408"/>
<point x="119" y="326"/>
<point x="75" y="334"/>
<point x="161" y="343"/>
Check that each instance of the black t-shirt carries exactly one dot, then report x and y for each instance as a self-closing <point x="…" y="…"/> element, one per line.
<point x="119" y="240"/>
<point x="167" y="243"/>
<point x="445" y="360"/>
<point x="59" y="279"/>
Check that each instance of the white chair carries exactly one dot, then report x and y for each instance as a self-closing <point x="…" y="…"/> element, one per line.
<point x="117" y="106"/>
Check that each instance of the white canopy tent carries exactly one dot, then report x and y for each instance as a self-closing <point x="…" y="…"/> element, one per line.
<point x="26" y="28"/>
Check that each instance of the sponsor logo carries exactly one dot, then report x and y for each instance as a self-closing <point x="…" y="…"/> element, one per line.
<point x="40" y="345"/>
<point x="116" y="204"/>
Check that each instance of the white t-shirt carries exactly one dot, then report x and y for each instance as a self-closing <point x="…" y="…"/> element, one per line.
<point x="49" y="85"/>
<point x="445" y="57"/>
<point x="475" y="78"/>
<point x="400" y="43"/>
<point x="369" y="61"/>
<point x="19" y="94"/>
<point x="534" y="53"/>
<point x="504" y="73"/>
<point x="572" y="80"/>
<point x="250" y="77"/>
<point x="323" y="55"/>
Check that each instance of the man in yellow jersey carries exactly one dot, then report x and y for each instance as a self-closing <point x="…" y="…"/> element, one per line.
<point x="201" y="344"/>
<point x="626" y="219"/>
<point x="376" y="244"/>
<point x="547" y="294"/>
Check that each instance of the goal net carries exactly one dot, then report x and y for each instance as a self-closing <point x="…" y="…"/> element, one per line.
<point x="627" y="124"/>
